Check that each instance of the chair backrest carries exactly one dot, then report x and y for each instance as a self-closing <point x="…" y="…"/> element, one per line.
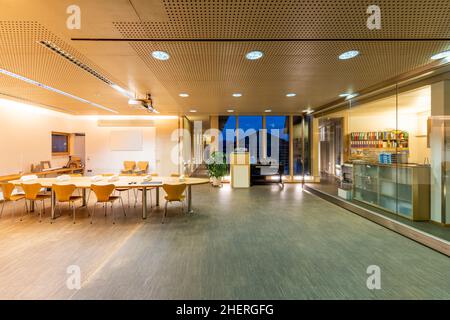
<point x="103" y="192"/>
<point x="31" y="190"/>
<point x="175" y="175"/>
<point x="142" y="165"/>
<point x="75" y="175"/>
<point x="63" y="192"/>
<point x="7" y="190"/>
<point x="129" y="165"/>
<point x="174" y="191"/>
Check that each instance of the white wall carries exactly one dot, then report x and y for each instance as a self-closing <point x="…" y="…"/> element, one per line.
<point x="26" y="138"/>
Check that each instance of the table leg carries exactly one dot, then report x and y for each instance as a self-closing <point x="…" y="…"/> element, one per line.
<point x="189" y="199"/>
<point x="144" y="203"/>
<point x="157" y="196"/>
<point x="83" y="194"/>
<point x="53" y="204"/>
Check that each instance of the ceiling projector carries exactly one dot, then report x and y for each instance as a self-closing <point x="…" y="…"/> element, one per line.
<point x="146" y="104"/>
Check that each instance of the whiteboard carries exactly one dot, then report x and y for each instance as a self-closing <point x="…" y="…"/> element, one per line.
<point x="126" y="140"/>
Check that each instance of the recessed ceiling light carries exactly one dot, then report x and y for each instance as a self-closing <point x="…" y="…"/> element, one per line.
<point x="441" y="55"/>
<point x="160" y="55"/>
<point x="349" y="54"/>
<point x="268" y="110"/>
<point x="254" y="55"/>
<point x="184" y="95"/>
<point x="43" y="86"/>
<point x="193" y="110"/>
<point x="348" y="96"/>
<point x="290" y="95"/>
<point x="230" y="110"/>
<point x="237" y="95"/>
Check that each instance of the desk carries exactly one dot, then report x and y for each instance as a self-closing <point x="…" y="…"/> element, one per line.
<point x="85" y="183"/>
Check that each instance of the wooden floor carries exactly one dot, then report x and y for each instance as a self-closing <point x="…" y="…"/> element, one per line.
<point x="258" y="243"/>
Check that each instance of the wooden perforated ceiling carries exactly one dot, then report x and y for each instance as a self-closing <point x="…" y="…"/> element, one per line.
<point x="211" y="71"/>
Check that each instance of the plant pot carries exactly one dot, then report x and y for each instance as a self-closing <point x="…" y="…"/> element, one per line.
<point x="217" y="182"/>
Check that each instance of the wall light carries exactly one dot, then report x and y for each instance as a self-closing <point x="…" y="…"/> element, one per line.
<point x="237" y="95"/>
<point x="184" y="95"/>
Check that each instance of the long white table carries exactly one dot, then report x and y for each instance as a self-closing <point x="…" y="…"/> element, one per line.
<point x="85" y="183"/>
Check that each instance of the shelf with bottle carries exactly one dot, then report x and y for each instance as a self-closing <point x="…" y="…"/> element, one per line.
<point x="393" y="139"/>
<point x="388" y="135"/>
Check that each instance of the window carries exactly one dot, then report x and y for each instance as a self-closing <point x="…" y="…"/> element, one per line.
<point x="60" y="143"/>
<point x="249" y="136"/>
<point x="227" y="138"/>
<point x="278" y="140"/>
<point x="301" y="132"/>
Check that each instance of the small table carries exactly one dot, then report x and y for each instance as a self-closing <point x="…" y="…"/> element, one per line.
<point x="132" y="182"/>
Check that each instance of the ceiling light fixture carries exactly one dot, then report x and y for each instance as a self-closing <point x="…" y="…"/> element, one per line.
<point x="69" y="57"/>
<point x="43" y="86"/>
<point x="230" y="110"/>
<point x="441" y="55"/>
<point x="160" y="55"/>
<point x="122" y="90"/>
<point x="193" y="111"/>
<point x="290" y="95"/>
<point x="348" y="96"/>
<point x="268" y="110"/>
<point x="237" y="95"/>
<point x="349" y="54"/>
<point x="254" y="55"/>
<point x="184" y="95"/>
<point x="308" y="111"/>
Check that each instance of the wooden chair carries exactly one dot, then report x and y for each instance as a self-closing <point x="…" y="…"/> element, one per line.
<point x="7" y="190"/>
<point x="32" y="194"/>
<point x="175" y="192"/>
<point x="128" y="166"/>
<point x="64" y="194"/>
<point x="142" y="167"/>
<point x="104" y="195"/>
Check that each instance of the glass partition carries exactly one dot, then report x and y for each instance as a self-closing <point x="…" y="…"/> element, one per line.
<point x="388" y="153"/>
<point x="278" y="140"/>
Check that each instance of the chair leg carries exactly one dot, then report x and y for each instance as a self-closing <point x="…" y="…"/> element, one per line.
<point x="26" y="209"/>
<point x="165" y="212"/>
<point x="112" y="213"/>
<point x="14" y="208"/>
<point x="73" y="207"/>
<point x="128" y="194"/>
<point x="123" y="208"/>
<point x="106" y="208"/>
<point x="40" y="212"/>
<point x="135" y="197"/>
<point x="3" y="207"/>
<point x="93" y="213"/>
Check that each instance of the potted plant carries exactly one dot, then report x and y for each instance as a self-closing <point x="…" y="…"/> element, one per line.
<point x="217" y="167"/>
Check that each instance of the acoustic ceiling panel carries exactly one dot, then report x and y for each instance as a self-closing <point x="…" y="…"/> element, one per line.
<point x="293" y="19"/>
<point x="211" y="71"/>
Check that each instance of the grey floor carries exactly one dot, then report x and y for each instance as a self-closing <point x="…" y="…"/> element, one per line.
<point x="258" y="243"/>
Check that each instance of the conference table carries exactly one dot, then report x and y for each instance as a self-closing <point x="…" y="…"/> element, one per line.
<point x="132" y="182"/>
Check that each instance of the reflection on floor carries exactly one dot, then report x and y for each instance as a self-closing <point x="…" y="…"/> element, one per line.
<point x="258" y="243"/>
<point x="329" y="186"/>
